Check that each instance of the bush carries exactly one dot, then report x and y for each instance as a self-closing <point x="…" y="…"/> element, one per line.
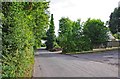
<point x="56" y="47"/>
<point x="85" y="44"/>
<point x="43" y="45"/>
<point x="19" y="65"/>
<point x="82" y="44"/>
<point x="117" y="36"/>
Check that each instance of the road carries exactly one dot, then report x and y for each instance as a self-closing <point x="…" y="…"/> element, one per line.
<point x="52" y="64"/>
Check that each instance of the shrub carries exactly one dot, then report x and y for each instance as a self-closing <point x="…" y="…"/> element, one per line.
<point x="56" y="47"/>
<point x="43" y="45"/>
<point x="117" y="36"/>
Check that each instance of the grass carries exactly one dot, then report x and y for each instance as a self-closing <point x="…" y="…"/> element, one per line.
<point x="96" y="50"/>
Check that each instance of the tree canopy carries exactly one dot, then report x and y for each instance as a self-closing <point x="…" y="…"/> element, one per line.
<point x="95" y="30"/>
<point x="71" y="36"/>
<point x="114" y="22"/>
<point x="75" y="36"/>
<point x="65" y="31"/>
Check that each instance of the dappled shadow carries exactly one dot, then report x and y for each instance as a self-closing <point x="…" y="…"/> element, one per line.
<point x="46" y="54"/>
<point x="42" y="52"/>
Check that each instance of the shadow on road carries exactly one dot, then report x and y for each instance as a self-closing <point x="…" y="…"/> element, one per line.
<point x="109" y="57"/>
<point x="42" y="52"/>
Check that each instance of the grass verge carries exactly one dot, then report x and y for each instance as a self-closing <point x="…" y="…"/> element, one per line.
<point x="100" y="50"/>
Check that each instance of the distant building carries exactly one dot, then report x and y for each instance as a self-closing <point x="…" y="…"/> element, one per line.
<point x="112" y="41"/>
<point x="110" y="36"/>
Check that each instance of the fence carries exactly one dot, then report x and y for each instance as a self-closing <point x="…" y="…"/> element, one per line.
<point x="109" y="44"/>
<point x="113" y="43"/>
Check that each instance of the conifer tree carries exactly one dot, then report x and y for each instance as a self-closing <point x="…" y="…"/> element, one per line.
<point x="50" y="35"/>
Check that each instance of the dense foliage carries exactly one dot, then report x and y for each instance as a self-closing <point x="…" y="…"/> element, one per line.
<point x="0" y="41"/>
<point x="117" y="35"/>
<point x="71" y="37"/>
<point x="75" y="36"/>
<point x="95" y="30"/>
<point x="50" y="35"/>
<point x="114" y="22"/>
<point x="23" y="27"/>
<point x="82" y="42"/>
<point x="65" y="30"/>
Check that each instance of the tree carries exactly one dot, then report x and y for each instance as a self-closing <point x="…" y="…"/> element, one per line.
<point x="71" y="36"/>
<point x="95" y="30"/>
<point x="50" y="35"/>
<point x="82" y="43"/>
<point x="114" y="22"/>
<point x="65" y="33"/>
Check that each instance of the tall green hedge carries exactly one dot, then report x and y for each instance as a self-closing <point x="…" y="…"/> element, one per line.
<point x="24" y="25"/>
<point x="0" y="48"/>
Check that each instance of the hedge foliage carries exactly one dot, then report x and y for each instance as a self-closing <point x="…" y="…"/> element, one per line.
<point x="75" y="36"/>
<point x="24" y="25"/>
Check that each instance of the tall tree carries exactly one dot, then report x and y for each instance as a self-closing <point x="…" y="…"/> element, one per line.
<point x="65" y="33"/>
<point x="95" y="30"/>
<point x="82" y="43"/>
<point x="114" y="22"/>
<point x="50" y="35"/>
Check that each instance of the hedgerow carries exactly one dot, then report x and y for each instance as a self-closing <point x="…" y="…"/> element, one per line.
<point x="24" y="25"/>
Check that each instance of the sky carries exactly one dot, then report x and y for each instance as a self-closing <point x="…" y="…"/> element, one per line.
<point x="81" y="9"/>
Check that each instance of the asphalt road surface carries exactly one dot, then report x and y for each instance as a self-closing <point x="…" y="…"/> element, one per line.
<point x="53" y="64"/>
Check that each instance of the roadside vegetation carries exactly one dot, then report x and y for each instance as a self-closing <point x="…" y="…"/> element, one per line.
<point x="76" y="36"/>
<point x="50" y="35"/>
<point x="51" y="39"/>
<point x="24" y="25"/>
<point x="114" y="23"/>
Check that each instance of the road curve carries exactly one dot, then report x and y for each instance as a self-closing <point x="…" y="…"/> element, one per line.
<point x="48" y="64"/>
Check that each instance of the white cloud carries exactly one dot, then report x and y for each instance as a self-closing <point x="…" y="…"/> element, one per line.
<point x="83" y="9"/>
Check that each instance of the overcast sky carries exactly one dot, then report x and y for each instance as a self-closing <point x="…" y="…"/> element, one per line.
<point x="75" y="9"/>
